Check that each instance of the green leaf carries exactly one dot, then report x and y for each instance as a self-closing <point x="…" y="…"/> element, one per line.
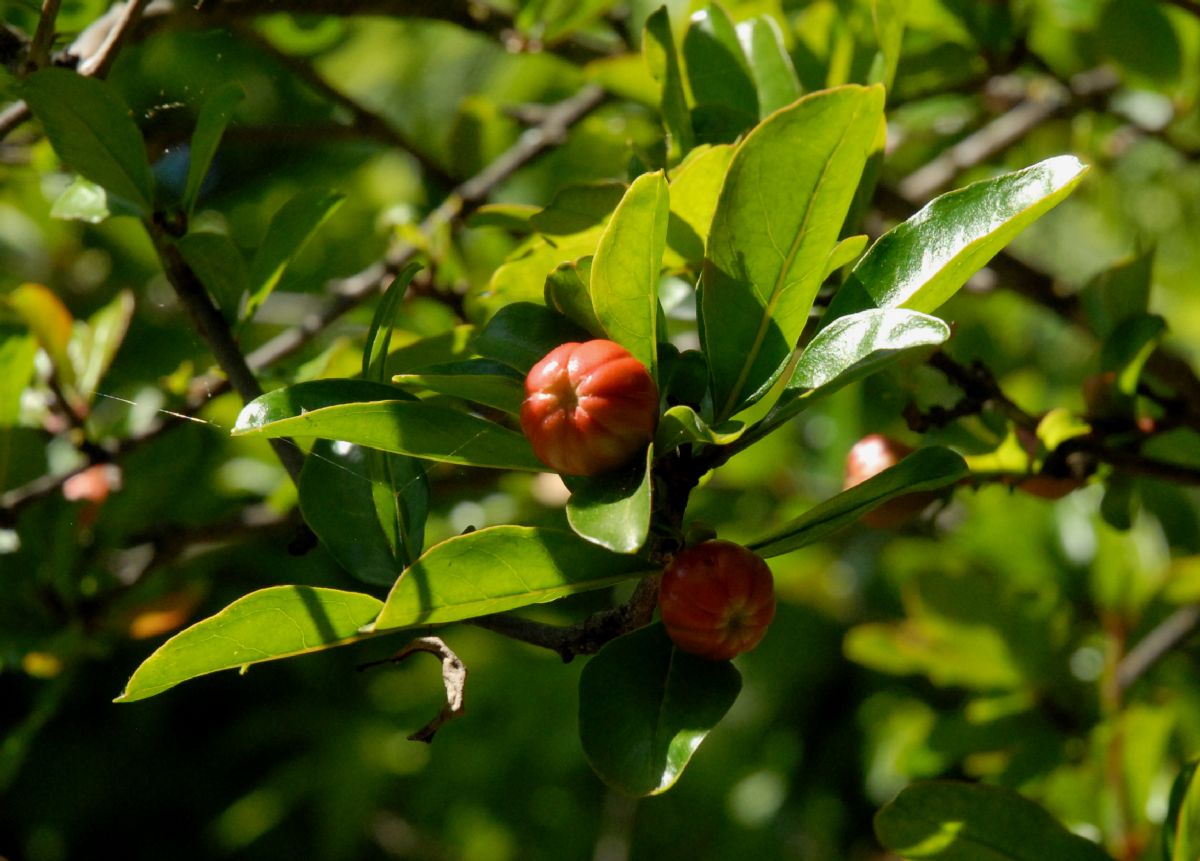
<point x="85" y="201"/>
<point x="922" y="262"/>
<point x="95" y="345"/>
<point x="1139" y="36"/>
<point x="210" y="126"/>
<point x="624" y="280"/>
<point x="858" y="345"/>
<point x="925" y="469"/>
<point x="480" y="381"/>
<point x="695" y="187"/>
<point x="645" y="706"/>
<point x="446" y="347"/>
<point x="785" y="195"/>
<point x="577" y="209"/>
<point x="969" y="822"/>
<point x="497" y="569"/>
<point x="291" y="227"/>
<point x="568" y="291"/>
<point x="716" y="67"/>
<point x="662" y="58"/>
<point x="506" y="216"/>
<point x="337" y="500"/>
<point x="683" y="424"/>
<point x="846" y="251"/>
<point x="612" y="510"/>
<point x="888" y="16"/>
<point x="521" y="334"/>
<point x="1181" y="830"/>
<point x="774" y="75"/>
<point x="337" y="409"/>
<point x="266" y="625"/>
<point x="91" y="129"/>
<point x="18" y="350"/>
<point x="1119" y="293"/>
<point x="220" y="266"/>
<point x="1127" y="348"/>
<point x="379" y="336"/>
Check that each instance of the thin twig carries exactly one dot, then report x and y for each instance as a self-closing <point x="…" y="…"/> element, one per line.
<point x="1041" y="103"/>
<point x="215" y="332"/>
<point x="96" y="64"/>
<point x="43" y="37"/>
<point x="454" y="677"/>
<point x="1152" y="648"/>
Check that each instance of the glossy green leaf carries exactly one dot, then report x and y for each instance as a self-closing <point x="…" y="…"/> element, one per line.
<point x="785" y="195"/>
<point x="645" y="707"/>
<point x="291" y="227"/>
<point x="365" y="414"/>
<point x="568" y="291"/>
<point x="95" y="345"/>
<point x="220" y="266"/>
<point x="925" y="469"/>
<point x="336" y="498"/>
<point x="85" y="201"/>
<point x="695" y="187"/>
<point x="379" y="336"/>
<point x="277" y="622"/>
<point x="1181" y="830"/>
<point x="521" y="334"/>
<point x="774" y="75"/>
<point x="682" y="424"/>
<point x="497" y="569"/>
<point x="91" y="129"/>
<point x="210" y="126"/>
<point x="662" y="57"/>
<point x="922" y="262"/>
<point x="477" y="380"/>
<point x="860" y="344"/>
<point x="624" y="278"/>
<point x="612" y="510"/>
<point x="971" y="822"/>
<point x="716" y="67"/>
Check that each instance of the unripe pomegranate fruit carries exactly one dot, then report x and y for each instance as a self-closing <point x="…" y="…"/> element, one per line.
<point x="717" y="599"/>
<point x="589" y="407"/>
<point x="870" y="456"/>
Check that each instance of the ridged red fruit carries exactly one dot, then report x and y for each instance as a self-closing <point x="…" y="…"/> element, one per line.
<point x="589" y="407"/>
<point x="870" y="456"/>
<point x="717" y="599"/>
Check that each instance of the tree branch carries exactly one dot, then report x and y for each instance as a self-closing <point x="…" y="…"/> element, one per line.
<point x="1157" y="644"/>
<point x="43" y="38"/>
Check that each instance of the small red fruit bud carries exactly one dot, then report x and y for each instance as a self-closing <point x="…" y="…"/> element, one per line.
<point x="717" y="599"/>
<point x="870" y="456"/>
<point x="589" y="407"/>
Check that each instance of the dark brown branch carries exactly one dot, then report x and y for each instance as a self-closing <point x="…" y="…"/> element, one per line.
<point x="582" y="638"/>
<point x="213" y="329"/>
<point x="43" y="38"/>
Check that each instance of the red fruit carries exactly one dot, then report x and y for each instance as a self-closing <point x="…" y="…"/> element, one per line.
<point x="717" y="599"/>
<point x="589" y="407"/>
<point x="870" y="456"/>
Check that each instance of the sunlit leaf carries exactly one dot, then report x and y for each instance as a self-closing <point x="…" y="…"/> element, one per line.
<point x="497" y="569"/>
<point x="272" y="623"/>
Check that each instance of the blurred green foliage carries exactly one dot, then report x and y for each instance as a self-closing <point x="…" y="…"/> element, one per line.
<point x="984" y="641"/>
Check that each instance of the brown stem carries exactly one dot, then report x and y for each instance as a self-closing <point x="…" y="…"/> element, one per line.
<point x="43" y="38"/>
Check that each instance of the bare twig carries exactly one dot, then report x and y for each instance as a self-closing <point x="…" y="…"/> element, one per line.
<point x="118" y="21"/>
<point x="43" y="38"/>
<point x="454" y="677"/>
<point x="213" y="329"/>
<point x="1041" y="103"/>
<point x="1157" y="644"/>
